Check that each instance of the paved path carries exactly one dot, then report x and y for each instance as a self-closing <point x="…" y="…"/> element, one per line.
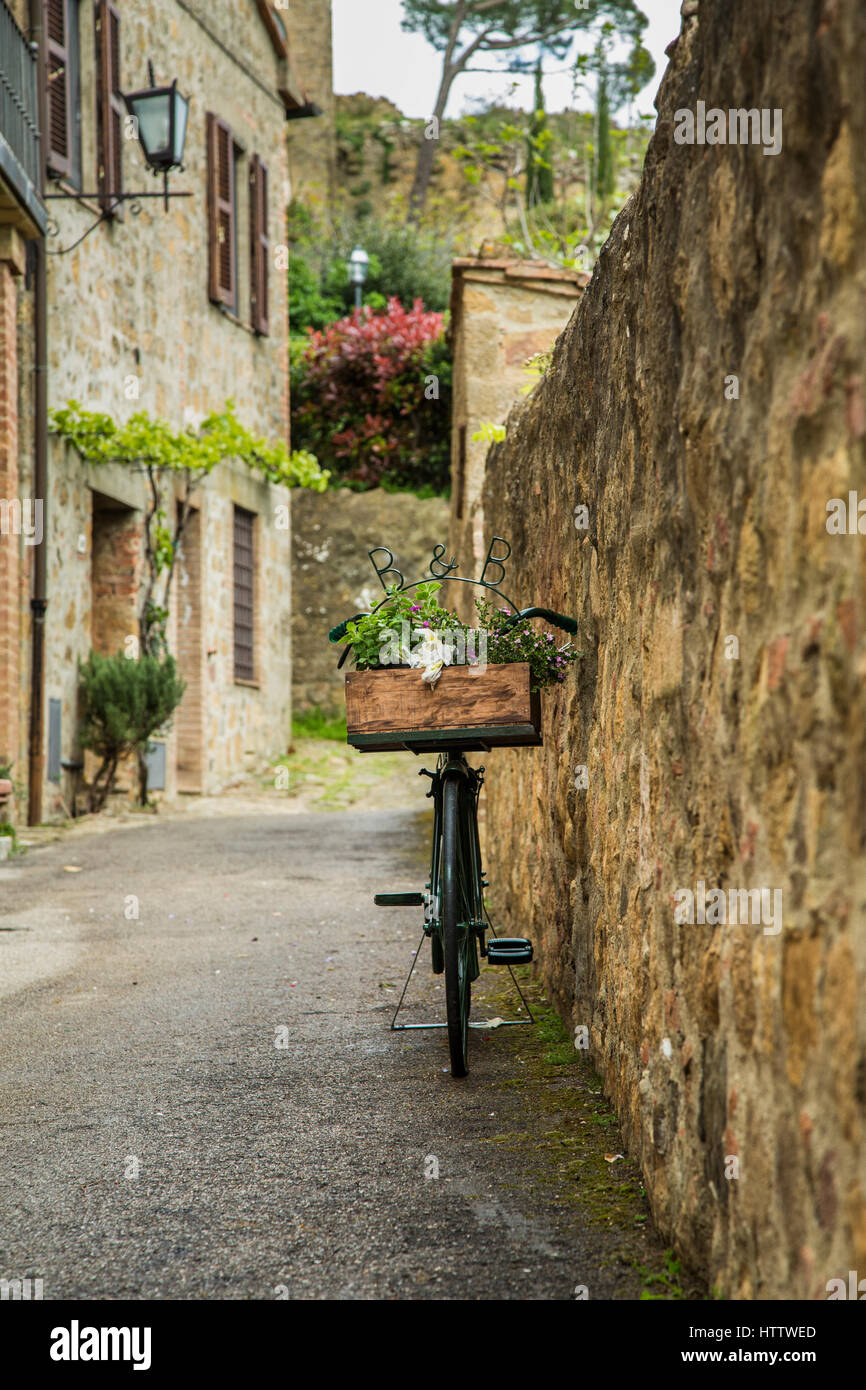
<point x="157" y="1144"/>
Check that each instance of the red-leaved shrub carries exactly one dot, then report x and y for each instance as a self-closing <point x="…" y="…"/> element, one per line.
<point x="371" y="397"/>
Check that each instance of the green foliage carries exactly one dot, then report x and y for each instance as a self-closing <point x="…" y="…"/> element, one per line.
<point x="517" y="32"/>
<point x="314" y="723"/>
<point x="399" y="624"/>
<point x="548" y="664"/>
<point x="539" y="170"/>
<point x="123" y="703"/>
<point x="151" y="446"/>
<point x="418" y="608"/>
<point x="146" y="441"/>
<point x="604" y="172"/>
<point x="488" y="433"/>
<point x="536" y="367"/>
<point x="667" y="1281"/>
<point x="406" y="263"/>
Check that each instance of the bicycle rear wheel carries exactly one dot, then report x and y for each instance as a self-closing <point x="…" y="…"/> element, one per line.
<point x="460" y="956"/>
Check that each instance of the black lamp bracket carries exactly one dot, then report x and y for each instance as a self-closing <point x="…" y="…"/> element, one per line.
<point x="116" y="199"/>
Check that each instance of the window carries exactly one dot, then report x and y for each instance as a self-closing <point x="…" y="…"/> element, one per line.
<point x="274" y="24"/>
<point x="222" y="248"/>
<point x="109" y="107"/>
<point x="63" y="108"/>
<point x="244" y="594"/>
<point x="259" y="245"/>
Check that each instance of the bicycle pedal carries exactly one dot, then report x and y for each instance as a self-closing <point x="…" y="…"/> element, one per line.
<point x="509" y="950"/>
<point x="398" y="899"/>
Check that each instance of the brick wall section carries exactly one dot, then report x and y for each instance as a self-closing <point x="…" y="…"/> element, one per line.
<point x="115" y="564"/>
<point x="11" y="546"/>
<point x="737" y="766"/>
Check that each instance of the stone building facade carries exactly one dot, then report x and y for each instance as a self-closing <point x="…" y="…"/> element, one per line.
<point x="706" y="405"/>
<point x="173" y="312"/>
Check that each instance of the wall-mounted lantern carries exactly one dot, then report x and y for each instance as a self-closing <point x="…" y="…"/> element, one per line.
<point x="160" y="115"/>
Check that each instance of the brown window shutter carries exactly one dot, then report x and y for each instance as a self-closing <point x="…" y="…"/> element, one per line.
<point x="110" y="107"/>
<point x="58" y="115"/>
<point x="244" y="594"/>
<point x="222" y="277"/>
<point x="259" y="244"/>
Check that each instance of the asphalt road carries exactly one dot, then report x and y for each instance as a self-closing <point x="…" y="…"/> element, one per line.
<point x="158" y="1143"/>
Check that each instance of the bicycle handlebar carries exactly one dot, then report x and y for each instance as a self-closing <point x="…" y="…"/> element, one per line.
<point x="558" y="619"/>
<point x="342" y="628"/>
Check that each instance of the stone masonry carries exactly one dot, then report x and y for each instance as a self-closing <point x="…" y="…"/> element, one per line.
<point x="332" y="577"/>
<point x="705" y="405"/>
<point x="503" y="312"/>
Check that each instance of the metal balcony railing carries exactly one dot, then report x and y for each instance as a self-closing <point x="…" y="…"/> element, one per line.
<point x="19" y="118"/>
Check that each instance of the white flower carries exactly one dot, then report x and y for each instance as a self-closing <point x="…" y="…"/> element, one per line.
<point x="433" y="654"/>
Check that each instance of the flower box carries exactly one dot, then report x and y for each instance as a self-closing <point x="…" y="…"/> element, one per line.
<point x="469" y="708"/>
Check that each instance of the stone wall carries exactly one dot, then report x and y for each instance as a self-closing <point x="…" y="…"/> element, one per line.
<point x="332" y="577"/>
<point x="719" y="708"/>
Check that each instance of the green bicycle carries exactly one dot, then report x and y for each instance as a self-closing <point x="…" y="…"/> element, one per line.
<point x="455" y="917"/>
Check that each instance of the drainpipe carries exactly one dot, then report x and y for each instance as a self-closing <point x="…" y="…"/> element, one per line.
<point x="38" y="600"/>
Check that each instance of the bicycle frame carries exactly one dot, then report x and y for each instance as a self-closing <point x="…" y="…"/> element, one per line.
<point x="452" y="764"/>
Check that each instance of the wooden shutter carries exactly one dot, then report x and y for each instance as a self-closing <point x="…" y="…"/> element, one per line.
<point x="259" y="244"/>
<point x="222" y="276"/>
<point x="110" y="106"/>
<point x="244" y="595"/>
<point x="58" y="146"/>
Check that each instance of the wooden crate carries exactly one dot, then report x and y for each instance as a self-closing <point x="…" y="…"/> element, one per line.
<point x="468" y="709"/>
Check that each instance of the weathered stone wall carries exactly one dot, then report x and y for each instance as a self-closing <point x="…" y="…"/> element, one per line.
<point x="719" y="708"/>
<point x="332" y="577"/>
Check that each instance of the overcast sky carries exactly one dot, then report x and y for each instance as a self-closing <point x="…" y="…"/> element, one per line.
<point x="373" y="54"/>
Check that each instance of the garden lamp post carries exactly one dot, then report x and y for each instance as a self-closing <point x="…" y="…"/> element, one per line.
<point x="359" y="262"/>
